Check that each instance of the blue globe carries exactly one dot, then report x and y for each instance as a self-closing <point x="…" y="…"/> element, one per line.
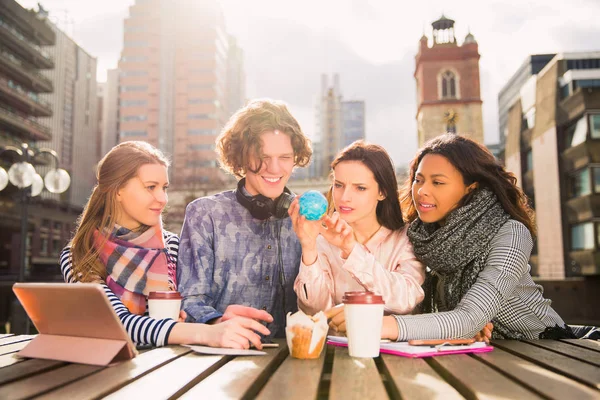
<point x="313" y="205"/>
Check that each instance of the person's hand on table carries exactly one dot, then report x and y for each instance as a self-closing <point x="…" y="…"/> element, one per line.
<point x="236" y="310"/>
<point x="337" y="319"/>
<point x="236" y="333"/>
<point x="485" y="335"/>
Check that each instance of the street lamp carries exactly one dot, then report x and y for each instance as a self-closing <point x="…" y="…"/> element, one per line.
<point x="24" y="176"/>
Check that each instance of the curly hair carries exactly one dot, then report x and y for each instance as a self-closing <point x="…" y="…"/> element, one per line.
<point x="240" y="138"/>
<point x="476" y="164"/>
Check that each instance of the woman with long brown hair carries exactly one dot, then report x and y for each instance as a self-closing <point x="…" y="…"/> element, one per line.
<point x="471" y="225"/>
<point x="120" y="243"/>
<point x="362" y="245"/>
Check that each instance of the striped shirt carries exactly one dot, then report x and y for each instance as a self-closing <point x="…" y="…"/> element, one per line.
<point x="142" y="329"/>
<point x="503" y="290"/>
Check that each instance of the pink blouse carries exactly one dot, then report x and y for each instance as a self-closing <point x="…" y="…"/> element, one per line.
<point x="385" y="265"/>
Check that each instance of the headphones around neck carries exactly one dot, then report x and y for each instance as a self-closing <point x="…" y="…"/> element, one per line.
<point x="262" y="207"/>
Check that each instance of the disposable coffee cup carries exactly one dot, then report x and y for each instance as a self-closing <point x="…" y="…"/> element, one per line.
<point x="364" y="318"/>
<point x="164" y="304"/>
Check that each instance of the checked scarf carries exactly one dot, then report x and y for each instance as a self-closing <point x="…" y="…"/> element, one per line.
<point x="137" y="263"/>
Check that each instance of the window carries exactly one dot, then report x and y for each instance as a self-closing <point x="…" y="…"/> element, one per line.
<point x="200" y="116"/>
<point x="448" y="85"/>
<point x="133" y="133"/>
<point x="57" y="226"/>
<point x="204" y="132"/>
<point x="134" y="59"/>
<point x="197" y="100"/>
<point x="587" y="63"/>
<point x="576" y="133"/>
<point x="582" y="236"/>
<point x="134" y="88"/>
<point x="595" y="126"/>
<point x="134" y="73"/>
<point x="201" y="163"/>
<point x="133" y="103"/>
<point x="201" y="146"/>
<point x="44" y="246"/>
<point x="199" y="85"/>
<point x="56" y="246"/>
<point x="528" y="162"/>
<point x="596" y="173"/>
<point x="581" y="184"/>
<point x="137" y="118"/>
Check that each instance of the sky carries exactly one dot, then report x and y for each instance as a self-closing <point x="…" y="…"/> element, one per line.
<point x="370" y="44"/>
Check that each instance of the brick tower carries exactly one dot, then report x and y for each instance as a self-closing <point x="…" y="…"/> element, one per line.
<point x="447" y="77"/>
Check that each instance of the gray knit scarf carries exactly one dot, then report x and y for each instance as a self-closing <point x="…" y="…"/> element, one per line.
<point x="458" y="250"/>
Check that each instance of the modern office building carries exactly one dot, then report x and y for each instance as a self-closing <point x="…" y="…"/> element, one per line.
<point x="447" y="78"/>
<point x="329" y="121"/>
<point x="553" y="147"/>
<point x="511" y="92"/>
<point x="353" y="121"/>
<point x="74" y="123"/>
<point x="174" y="90"/>
<point x="110" y="112"/>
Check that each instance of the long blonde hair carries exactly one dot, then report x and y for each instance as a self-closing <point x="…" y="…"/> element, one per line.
<point x="117" y="167"/>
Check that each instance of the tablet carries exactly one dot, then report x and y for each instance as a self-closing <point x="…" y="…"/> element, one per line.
<point x="75" y="319"/>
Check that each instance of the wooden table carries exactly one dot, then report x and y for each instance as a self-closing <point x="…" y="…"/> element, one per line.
<point x="568" y="369"/>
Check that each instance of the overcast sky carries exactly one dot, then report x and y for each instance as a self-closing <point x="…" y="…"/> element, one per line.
<point x="371" y="44"/>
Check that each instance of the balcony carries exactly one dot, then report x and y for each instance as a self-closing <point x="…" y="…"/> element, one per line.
<point x="16" y="97"/>
<point x="28" y="50"/>
<point x="19" y="71"/>
<point x="22" y="126"/>
<point x="29" y="21"/>
<point x="573" y="106"/>
<point x="581" y="155"/>
<point x="583" y="208"/>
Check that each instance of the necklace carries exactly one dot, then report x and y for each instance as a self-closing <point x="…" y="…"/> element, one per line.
<point x="369" y="237"/>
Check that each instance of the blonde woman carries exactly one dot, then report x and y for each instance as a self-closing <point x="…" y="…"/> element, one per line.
<point x="120" y="243"/>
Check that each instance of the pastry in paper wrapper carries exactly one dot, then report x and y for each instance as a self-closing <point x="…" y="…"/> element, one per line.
<point x="306" y="335"/>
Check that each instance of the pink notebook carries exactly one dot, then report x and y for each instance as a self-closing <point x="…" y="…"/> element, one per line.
<point x="405" y="350"/>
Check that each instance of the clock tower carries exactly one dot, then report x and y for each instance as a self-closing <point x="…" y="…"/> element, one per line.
<point x="447" y="77"/>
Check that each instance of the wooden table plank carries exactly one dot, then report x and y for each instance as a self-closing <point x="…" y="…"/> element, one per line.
<point x="14" y="339"/>
<point x="588" y="344"/>
<point x="355" y="378"/>
<point x="582" y="372"/>
<point x="10" y="359"/>
<point x="589" y="356"/>
<point x="4" y="335"/>
<point x="241" y="377"/>
<point x="171" y="379"/>
<point x="13" y="347"/>
<point x="40" y="383"/>
<point x="113" y="378"/>
<point x="474" y="379"/>
<point x="415" y="379"/>
<point x="292" y="372"/>
<point x="26" y="368"/>
<point x="539" y="379"/>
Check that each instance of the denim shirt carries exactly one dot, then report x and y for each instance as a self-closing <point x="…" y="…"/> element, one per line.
<point x="228" y="257"/>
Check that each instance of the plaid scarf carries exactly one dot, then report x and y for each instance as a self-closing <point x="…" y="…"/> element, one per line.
<point x="137" y="263"/>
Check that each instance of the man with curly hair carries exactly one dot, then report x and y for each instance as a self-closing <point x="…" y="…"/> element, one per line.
<point x="238" y="254"/>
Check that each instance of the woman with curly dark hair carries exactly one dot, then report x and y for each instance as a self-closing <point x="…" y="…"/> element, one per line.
<point x="471" y="225"/>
